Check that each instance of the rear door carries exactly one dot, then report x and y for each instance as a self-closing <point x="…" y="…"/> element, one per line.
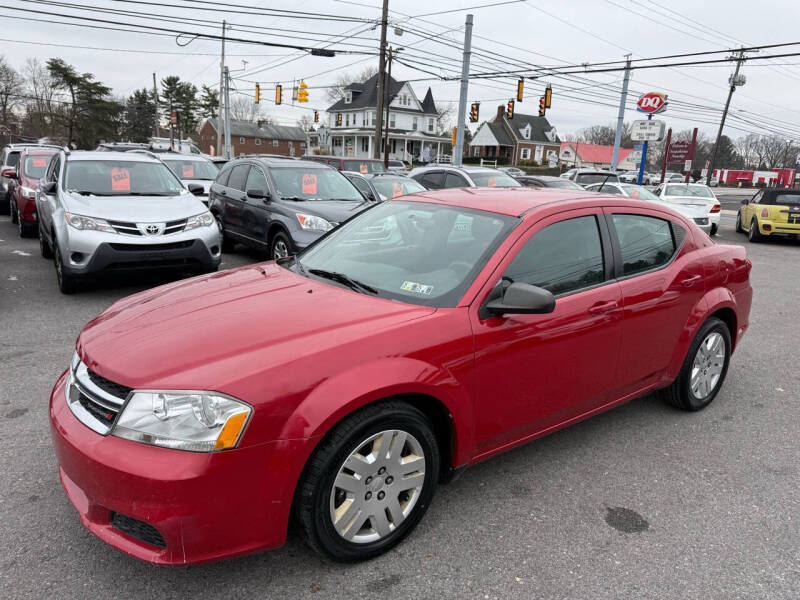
<point x="432" y="180"/>
<point x="235" y="199"/>
<point x="45" y="203"/>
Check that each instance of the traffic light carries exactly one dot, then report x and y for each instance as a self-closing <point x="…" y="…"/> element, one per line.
<point x="278" y="93"/>
<point x="258" y="93"/>
<point x="542" y="106"/>
<point x="316" y="117"/>
<point x="510" y="109"/>
<point x="338" y="119"/>
<point x="548" y="96"/>
<point x="474" y="112"/>
<point x="302" y="94"/>
<point x="520" y="88"/>
<point x="455" y="134"/>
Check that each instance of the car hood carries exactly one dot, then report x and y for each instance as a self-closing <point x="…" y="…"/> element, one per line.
<point x="136" y="209"/>
<point x="334" y="211"/>
<point x="262" y="315"/>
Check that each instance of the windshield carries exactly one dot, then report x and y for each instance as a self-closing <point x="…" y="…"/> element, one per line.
<point x="696" y="191"/>
<point x="364" y="166"/>
<point x="120" y="178"/>
<point x="639" y="192"/>
<point x="493" y="179"/>
<point x="304" y="183"/>
<point x="414" y="252"/>
<point x="392" y="187"/>
<point x="192" y="169"/>
<point x="557" y="182"/>
<point x="35" y="166"/>
<point x="587" y="178"/>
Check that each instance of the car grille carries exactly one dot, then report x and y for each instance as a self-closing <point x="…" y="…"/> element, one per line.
<point x="127" y="228"/>
<point x="93" y="399"/>
<point x="139" y="530"/>
<point x="151" y="247"/>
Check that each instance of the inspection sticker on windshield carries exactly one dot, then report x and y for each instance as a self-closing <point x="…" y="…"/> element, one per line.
<point x="416" y="288"/>
<point x="309" y="184"/>
<point x="120" y="180"/>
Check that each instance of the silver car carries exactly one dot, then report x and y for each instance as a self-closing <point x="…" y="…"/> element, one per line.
<point x="104" y="212"/>
<point x="191" y="169"/>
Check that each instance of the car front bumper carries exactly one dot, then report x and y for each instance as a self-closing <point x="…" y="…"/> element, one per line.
<point x="169" y="506"/>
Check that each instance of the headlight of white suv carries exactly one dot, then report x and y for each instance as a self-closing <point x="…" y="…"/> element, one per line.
<point x="313" y="222"/>
<point x="205" y="219"/>
<point x="184" y="420"/>
<point x="87" y="223"/>
<point x="27" y="192"/>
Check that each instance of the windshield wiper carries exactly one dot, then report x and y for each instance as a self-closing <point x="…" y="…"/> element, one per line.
<point x="353" y="284"/>
<point x="294" y="198"/>
<point x="85" y="193"/>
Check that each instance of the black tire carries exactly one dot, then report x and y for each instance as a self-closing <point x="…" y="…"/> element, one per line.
<point x="12" y="210"/>
<point x="26" y="230"/>
<point x="739" y="228"/>
<point x="5" y="204"/>
<point x="312" y="504"/>
<point x="753" y="234"/>
<point x="44" y="244"/>
<point x="226" y="243"/>
<point x="714" y="229"/>
<point x="679" y="394"/>
<point x="67" y="283"/>
<point x="280" y="240"/>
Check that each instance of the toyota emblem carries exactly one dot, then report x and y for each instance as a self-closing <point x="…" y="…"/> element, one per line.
<point x="151" y="229"/>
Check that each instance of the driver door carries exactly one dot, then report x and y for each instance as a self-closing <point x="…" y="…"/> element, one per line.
<point x="535" y="372"/>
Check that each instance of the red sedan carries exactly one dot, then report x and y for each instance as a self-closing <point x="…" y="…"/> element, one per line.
<point x="337" y="388"/>
<point x="30" y="169"/>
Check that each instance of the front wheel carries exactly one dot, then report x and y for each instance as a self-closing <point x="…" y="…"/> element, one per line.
<point x="280" y="247"/>
<point x="704" y="368"/>
<point x="369" y="483"/>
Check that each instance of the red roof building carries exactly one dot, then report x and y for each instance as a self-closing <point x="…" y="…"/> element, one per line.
<point x="578" y="154"/>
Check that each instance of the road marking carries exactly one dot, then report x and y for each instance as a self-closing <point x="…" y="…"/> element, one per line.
<point x="20" y="252"/>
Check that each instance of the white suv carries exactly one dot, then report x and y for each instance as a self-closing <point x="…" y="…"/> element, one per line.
<point x="103" y="212"/>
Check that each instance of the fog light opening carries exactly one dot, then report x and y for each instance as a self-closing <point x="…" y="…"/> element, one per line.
<point x="76" y="257"/>
<point x="215" y="250"/>
<point x="767" y="227"/>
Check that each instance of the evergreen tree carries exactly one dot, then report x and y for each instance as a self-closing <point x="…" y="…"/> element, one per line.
<point x="209" y="102"/>
<point x="140" y="116"/>
<point x="180" y="96"/>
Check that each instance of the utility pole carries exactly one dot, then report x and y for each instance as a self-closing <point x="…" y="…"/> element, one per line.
<point x="227" y="79"/>
<point x="734" y="81"/>
<point x="458" y="151"/>
<point x="221" y="92"/>
<point x="376" y="153"/>
<point x="386" y="100"/>
<point x="155" y="102"/>
<point x="621" y="115"/>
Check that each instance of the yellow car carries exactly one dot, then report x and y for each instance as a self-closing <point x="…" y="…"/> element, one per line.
<point x="772" y="211"/>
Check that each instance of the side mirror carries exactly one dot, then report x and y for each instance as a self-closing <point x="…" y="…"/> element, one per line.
<point x="49" y="188"/>
<point x="9" y="173"/>
<point x="522" y="299"/>
<point x="746" y="201"/>
<point x="196" y="189"/>
<point x="257" y="194"/>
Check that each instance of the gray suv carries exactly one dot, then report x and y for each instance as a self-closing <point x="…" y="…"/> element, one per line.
<point x="437" y="177"/>
<point x="104" y="212"/>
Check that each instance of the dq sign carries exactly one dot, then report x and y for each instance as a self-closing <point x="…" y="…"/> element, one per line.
<point x="652" y="103"/>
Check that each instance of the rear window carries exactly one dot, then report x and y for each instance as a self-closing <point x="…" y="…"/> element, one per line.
<point x="12" y="159"/>
<point x="695" y="191"/>
<point x="35" y="166"/>
<point x="498" y="179"/>
<point x="781" y="199"/>
<point x="392" y="187"/>
<point x="363" y="166"/>
<point x="588" y="178"/>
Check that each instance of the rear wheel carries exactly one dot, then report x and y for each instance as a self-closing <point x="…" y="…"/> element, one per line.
<point x="739" y="228"/>
<point x="704" y="368"/>
<point x="753" y="234"/>
<point x="369" y="482"/>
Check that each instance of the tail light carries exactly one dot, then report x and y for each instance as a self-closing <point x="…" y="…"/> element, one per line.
<point x="765" y="212"/>
<point x="716" y="208"/>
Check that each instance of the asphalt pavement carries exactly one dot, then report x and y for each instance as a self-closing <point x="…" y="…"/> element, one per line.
<point x="643" y="501"/>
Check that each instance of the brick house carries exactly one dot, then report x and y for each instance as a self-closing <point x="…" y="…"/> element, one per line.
<point x="521" y="139"/>
<point x="255" y="138"/>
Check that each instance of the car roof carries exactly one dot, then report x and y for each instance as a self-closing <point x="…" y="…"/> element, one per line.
<point x="287" y="161"/>
<point x="446" y="167"/>
<point x="355" y="158"/>
<point x="116" y="156"/>
<point x="181" y="157"/>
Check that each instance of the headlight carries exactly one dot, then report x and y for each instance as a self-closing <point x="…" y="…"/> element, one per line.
<point x="313" y="222"/>
<point x="27" y="192"/>
<point x="196" y="421"/>
<point x="205" y="219"/>
<point x="88" y="223"/>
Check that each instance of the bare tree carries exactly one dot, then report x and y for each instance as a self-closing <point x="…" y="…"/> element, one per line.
<point x="41" y="90"/>
<point x="11" y="86"/>
<point x="336" y="91"/>
<point x="305" y="123"/>
<point x="444" y="118"/>
<point x="244" y="109"/>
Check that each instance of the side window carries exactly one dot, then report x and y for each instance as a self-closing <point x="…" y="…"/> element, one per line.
<point x="562" y="257"/>
<point x="433" y="180"/>
<point x="222" y="178"/>
<point x="362" y="187"/>
<point x="256" y="180"/>
<point x="646" y="242"/>
<point x="453" y="180"/>
<point x="757" y="198"/>
<point x="659" y="189"/>
<point x="238" y="177"/>
<point x="54" y="168"/>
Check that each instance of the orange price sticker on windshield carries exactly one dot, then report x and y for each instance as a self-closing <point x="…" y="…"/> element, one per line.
<point x="309" y="184"/>
<point x="39" y="162"/>
<point x="492" y="182"/>
<point x="187" y="170"/>
<point x="120" y="180"/>
<point x="397" y="190"/>
<point x="635" y="194"/>
<point x="363" y="168"/>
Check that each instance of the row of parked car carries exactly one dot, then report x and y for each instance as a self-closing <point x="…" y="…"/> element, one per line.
<point x="129" y="207"/>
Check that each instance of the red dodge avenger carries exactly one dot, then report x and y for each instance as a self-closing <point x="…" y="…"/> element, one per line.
<point x="337" y="388"/>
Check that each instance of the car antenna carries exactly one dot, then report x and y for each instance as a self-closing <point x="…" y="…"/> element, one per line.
<point x="600" y="189"/>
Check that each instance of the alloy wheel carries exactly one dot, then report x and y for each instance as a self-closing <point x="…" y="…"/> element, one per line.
<point x="708" y="365"/>
<point x="280" y="250"/>
<point x="377" y="486"/>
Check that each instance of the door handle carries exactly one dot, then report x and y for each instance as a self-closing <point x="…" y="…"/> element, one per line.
<point x="690" y="281"/>
<point x="223" y="193"/>
<point x="603" y="307"/>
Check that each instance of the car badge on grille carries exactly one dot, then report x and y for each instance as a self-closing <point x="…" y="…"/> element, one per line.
<point x="152" y="228"/>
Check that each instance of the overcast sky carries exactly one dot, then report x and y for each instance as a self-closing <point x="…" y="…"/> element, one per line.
<point x="541" y="33"/>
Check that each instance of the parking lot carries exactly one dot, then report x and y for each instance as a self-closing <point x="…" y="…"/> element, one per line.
<point x="643" y="501"/>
